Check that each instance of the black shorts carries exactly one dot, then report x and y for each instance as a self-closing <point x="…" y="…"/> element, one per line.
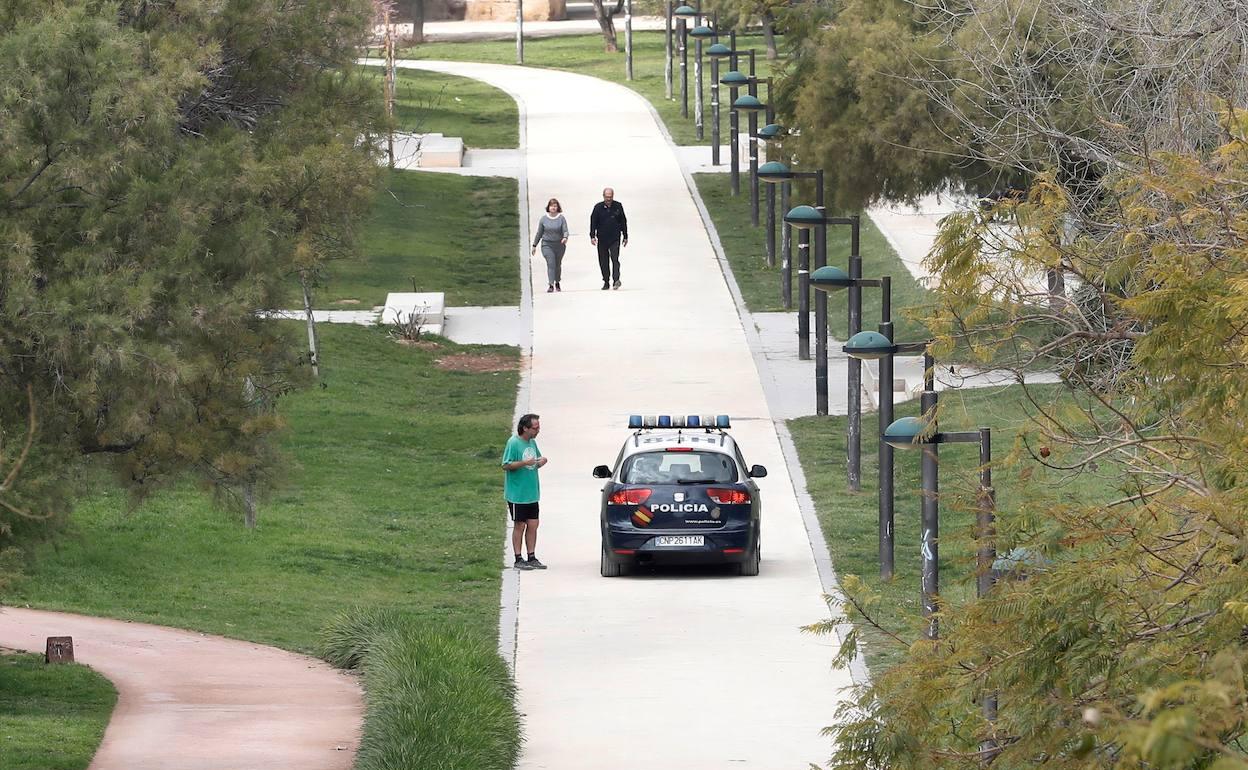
<point x="522" y="511"/>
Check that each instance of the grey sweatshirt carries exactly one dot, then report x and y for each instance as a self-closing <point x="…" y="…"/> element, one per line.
<point x="551" y="230"/>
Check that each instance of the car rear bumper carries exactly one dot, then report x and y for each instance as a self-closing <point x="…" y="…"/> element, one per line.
<point x="718" y="547"/>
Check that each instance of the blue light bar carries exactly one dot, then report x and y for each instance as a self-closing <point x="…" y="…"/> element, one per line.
<point x="693" y="421"/>
<point x="721" y="421"/>
<point x="665" y="421"/>
<point x="634" y="421"/>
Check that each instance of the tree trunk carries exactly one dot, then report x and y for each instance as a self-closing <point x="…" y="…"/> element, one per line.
<point x="417" y="8"/>
<point x="769" y="35"/>
<point x="313" y="353"/>
<point x="607" y="23"/>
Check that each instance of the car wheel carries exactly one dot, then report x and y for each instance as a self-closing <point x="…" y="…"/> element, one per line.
<point x="608" y="566"/>
<point x="749" y="567"/>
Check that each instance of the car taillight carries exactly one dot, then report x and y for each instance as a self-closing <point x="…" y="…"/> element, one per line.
<point x="728" y="496"/>
<point x="629" y="496"/>
<point x="679" y="449"/>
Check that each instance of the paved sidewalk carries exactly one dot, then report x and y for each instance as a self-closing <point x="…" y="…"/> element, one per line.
<point x="189" y="701"/>
<point x="701" y="670"/>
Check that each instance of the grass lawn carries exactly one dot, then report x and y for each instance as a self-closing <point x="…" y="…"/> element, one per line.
<point x="584" y="54"/>
<point x="746" y="247"/>
<point x="457" y="234"/>
<point x="433" y="102"/>
<point x="850" y="520"/>
<point x="51" y="717"/>
<point x="395" y="502"/>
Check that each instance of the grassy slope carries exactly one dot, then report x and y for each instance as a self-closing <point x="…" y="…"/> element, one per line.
<point x="51" y="717"/>
<point x="433" y="102"/>
<point x="395" y="503"/>
<point x="849" y="519"/>
<point x="746" y="247"/>
<point x="456" y="234"/>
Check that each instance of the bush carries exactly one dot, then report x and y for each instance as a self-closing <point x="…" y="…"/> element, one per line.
<point x="346" y="639"/>
<point x="437" y="701"/>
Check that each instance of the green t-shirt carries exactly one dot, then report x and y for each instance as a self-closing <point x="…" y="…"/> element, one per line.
<point x="520" y="485"/>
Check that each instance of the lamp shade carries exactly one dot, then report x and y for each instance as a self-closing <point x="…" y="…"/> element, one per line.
<point x="868" y="346"/>
<point x="702" y="32"/>
<point x="904" y="433"/>
<point x="804" y="217"/>
<point x="771" y="131"/>
<point x="774" y="172"/>
<point x="685" y="12"/>
<point x="735" y="79"/>
<point x="719" y="51"/>
<point x="748" y="103"/>
<point x="830" y="278"/>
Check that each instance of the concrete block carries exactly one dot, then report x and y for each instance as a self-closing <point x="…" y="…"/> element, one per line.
<point x="431" y="306"/>
<point x="437" y="151"/>
<point x="505" y="10"/>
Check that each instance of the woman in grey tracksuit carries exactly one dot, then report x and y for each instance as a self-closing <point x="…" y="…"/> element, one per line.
<point x="552" y="234"/>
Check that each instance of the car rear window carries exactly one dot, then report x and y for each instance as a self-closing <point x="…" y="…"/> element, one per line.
<point x="679" y="467"/>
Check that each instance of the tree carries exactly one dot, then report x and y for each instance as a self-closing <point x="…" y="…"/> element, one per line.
<point x="605" y="15"/>
<point x="165" y="168"/>
<point x="1127" y="644"/>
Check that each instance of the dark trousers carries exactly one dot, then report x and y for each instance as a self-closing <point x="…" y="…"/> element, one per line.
<point x="609" y="259"/>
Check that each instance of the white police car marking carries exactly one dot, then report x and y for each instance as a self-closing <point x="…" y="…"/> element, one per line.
<point x="680" y="508"/>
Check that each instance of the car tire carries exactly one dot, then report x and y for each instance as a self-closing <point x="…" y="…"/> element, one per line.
<point x="749" y="567"/>
<point x="609" y="567"/>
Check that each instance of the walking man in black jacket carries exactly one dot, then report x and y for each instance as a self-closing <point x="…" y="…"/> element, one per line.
<point x="608" y="230"/>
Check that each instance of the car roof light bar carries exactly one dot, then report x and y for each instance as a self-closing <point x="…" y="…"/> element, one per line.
<point x="708" y="421"/>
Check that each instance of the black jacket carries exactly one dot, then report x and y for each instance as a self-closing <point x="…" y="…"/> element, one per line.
<point x="608" y="224"/>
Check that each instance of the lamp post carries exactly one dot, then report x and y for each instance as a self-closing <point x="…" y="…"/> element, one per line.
<point x="683" y="13"/>
<point x="776" y="173"/>
<point x="734" y="79"/>
<point x="770" y="133"/>
<point x="804" y="216"/>
<point x="872" y="346"/>
<point x="715" y="52"/>
<point x="628" y="39"/>
<point x="922" y="433"/>
<point x="699" y="33"/>
<point x="667" y="49"/>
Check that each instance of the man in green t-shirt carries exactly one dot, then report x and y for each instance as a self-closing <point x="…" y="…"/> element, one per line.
<point x="521" y="459"/>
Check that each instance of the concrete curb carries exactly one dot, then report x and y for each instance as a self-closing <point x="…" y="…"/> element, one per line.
<point x="509" y="594"/>
<point x="814" y="533"/>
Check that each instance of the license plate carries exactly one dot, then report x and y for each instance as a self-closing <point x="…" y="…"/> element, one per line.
<point x="678" y="540"/>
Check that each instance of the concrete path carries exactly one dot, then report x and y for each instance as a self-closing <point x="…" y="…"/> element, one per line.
<point x="675" y="669"/>
<point x="189" y="701"/>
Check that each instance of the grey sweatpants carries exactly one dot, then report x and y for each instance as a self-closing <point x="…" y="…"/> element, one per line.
<point x="553" y="252"/>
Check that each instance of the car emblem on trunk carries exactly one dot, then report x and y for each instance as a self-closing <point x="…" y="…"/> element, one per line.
<point x="679" y="497"/>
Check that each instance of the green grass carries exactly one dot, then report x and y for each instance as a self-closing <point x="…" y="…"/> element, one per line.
<point x="850" y="520"/>
<point x="395" y="503"/>
<point x="433" y="102"/>
<point x="584" y="54"/>
<point x="456" y="234"/>
<point x="746" y="248"/>
<point x="52" y="717"/>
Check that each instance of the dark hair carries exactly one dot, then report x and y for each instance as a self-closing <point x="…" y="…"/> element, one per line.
<point x="558" y="207"/>
<point x="526" y="422"/>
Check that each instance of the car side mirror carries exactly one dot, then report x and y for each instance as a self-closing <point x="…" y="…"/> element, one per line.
<point x="602" y="472"/>
<point x="757" y="471"/>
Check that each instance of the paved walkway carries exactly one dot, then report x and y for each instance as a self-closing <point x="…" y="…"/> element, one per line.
<point x="189" y="701"/>
<point x="688" y="670"/>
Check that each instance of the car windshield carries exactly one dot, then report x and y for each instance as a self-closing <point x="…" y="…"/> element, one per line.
<point x="679" y="468"/>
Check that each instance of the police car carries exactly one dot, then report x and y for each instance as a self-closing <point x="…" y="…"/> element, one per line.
<point x="680" y="492"/>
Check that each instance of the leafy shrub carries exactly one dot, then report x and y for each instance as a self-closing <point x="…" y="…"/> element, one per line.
<point x="438" y="701"/>
<point x="347" y="638"/>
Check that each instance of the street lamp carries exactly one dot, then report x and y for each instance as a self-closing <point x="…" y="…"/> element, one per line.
<point x="854" y="439"/>
<point x="750" y="104"/>
<point x="921" y="432"/>
<point x="683" y="14"/>
<point x="774" y="173"/>
<point x="699" y="33"/>
<point x="735" y="80"/>
<point x="716" y="52"/>
<point x="872" y="346"/>
<point x="770" y="133"/>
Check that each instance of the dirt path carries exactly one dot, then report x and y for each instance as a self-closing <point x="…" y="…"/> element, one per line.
<point x="190" y="701"/>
